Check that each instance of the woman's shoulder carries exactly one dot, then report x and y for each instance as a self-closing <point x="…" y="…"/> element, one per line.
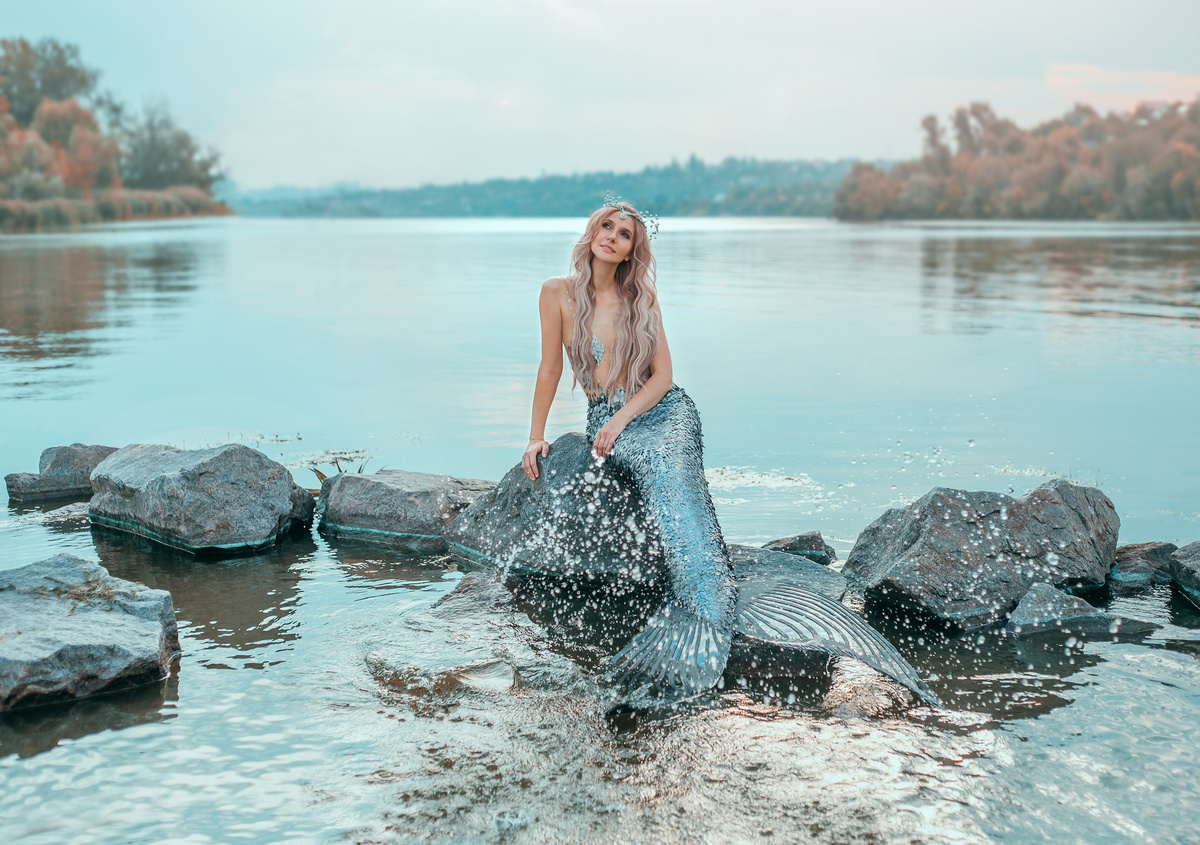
<point x="555" y="284"/>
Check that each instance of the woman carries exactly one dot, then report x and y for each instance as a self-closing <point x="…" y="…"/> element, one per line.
<point x="606" y="315"/>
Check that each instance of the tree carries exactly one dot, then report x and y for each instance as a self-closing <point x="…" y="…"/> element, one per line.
<point x="49" y="70"/>
<point x="157" y="154"/>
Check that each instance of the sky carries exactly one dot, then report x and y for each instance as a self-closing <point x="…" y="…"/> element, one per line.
<point x="399" y="94"/>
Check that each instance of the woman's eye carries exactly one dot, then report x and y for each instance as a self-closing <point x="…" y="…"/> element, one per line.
<point x="625" y="235"/>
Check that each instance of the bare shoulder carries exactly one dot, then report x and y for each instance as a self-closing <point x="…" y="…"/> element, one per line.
<point x="556" y="285"/>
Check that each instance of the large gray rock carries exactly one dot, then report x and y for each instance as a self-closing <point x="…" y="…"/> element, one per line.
<point x="1045" y="610"/>
<point x="967" y="558"/>
<point x="63" y="472"/>
<point x="69" y="630"/>
<point x="809" y="544"/>
<point x="576" y="520"/>
<point x="227" y="499"/>
<point x="411" y="510"/>
<point x="580" y="521"/>
<point x="1185" y="571"/>
<point x="1139" y="566"/>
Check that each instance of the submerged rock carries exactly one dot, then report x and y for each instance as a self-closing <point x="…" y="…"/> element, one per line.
<point x="967" y="558"/>
<point x="407" y="509"/>
<point x="69" y="630"/>
<point x="810" y="545"/>
<point x="1185" y="571"/>
<point x="1045" y="609"/>
<point x="63" y="472"/>
<point x="1140" y="566"/>
<point x="227" y="499"/>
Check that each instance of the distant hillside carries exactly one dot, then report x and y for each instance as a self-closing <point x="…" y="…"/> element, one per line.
<point x="733" y="187"/>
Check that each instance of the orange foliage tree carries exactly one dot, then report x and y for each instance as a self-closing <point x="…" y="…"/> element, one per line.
<point x="1144" y="165"/>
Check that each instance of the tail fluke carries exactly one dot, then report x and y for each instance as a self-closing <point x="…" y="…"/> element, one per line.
<point x="793" y="616"/>
<point x="678" y="654"/>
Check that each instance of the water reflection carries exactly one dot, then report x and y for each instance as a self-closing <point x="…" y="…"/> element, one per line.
<point x="38" y="729"/>
<point x="244" y="603"/>
<point x="55" y="302"/>
<point x="974" y="282"/>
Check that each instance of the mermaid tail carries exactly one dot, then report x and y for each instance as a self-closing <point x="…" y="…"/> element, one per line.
<point x="683" y="650"/>
<point x="799" y="618"/>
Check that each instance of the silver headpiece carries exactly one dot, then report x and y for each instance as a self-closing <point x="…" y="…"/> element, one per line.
<point x="650" y="221"/>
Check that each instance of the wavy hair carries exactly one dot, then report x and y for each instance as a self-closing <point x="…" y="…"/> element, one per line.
<point x="637" y="324"/>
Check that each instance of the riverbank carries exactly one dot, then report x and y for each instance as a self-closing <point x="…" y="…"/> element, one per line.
<point x="19" y="217"/>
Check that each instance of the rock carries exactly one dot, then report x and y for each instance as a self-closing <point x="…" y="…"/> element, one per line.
<point x="758" y="571"/>
<point x="1185" y="571"/>
<point x="69" y="630"/>
<point x="810" y="545"/>
<point x="63" y="472"/>
<point x="72" y="516"/>
<point x="575" y="520"/>
<point x="407" y="509"/>
<point x="1140" y="566"/>
<point x="1045" y="609"/>
<point x="578" y="521"/>
<point x="967" y="558"/>
<point x="226" y="499"/>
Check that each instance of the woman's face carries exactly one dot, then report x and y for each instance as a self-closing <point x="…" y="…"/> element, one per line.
<point x="614" y="239"/>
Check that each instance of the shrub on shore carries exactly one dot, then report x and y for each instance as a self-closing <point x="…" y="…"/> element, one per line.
<point x="58" y="168"/>
<point x="21" y="216"/>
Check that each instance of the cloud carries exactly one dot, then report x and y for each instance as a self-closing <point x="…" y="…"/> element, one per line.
<point x="1122" y="90"/>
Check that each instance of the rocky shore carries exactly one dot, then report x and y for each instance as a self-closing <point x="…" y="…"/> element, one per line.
<point x="965" y="560"/>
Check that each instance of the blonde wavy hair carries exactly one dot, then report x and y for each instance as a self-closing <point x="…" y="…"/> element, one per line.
<point x="637" y="323"/>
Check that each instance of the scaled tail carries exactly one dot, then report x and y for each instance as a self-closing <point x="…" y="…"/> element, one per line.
<point x="678" y="654"/>
<point x="793" y="616"/>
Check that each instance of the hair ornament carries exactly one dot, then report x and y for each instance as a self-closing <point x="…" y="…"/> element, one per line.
<point x="650" y="221"/>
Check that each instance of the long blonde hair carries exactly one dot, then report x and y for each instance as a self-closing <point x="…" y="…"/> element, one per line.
<point x="637" y="323"/>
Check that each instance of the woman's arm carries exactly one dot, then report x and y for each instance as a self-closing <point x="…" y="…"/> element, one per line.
<point x="646" y="397"/>
<point x="549" y="372"/>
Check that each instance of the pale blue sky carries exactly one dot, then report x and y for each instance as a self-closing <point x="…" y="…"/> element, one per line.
<point x="398" y="94"/>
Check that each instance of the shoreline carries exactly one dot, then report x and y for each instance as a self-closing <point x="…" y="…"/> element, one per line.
<point x="19" y="217"/>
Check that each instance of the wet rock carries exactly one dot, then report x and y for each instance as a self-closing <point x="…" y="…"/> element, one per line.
<point x="1185" y="571"/>
<point x="1140" y="566"/>
<point x="63" y="472"/>
<point x="758" y="571"/>
<point x="810" y="545"/>
<point x="1045" y="609"/>
<point x="226" y="499"/>
<point x="69" y="630"/>
<point x="575" y="520"/>
<point x="580" y="521"/>
<point x="410" y="510"/>
<point x="967" y="558"/>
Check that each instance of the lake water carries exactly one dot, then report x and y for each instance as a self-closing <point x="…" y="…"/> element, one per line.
<point x="838" y="370"/>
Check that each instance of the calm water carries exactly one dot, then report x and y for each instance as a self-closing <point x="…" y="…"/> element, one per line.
<point x="838" y="371"/>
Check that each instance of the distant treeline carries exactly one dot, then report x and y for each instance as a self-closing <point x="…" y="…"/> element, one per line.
<point x="60" y="167"/>
<point x="734" y="186"/>
<point x="1082" y="166"/>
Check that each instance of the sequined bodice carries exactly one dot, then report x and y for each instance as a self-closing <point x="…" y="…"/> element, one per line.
<point x="618" y="398"/>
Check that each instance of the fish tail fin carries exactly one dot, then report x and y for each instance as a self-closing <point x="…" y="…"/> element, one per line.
<point x="793" y="616"/>
<point x="678" y="654"/>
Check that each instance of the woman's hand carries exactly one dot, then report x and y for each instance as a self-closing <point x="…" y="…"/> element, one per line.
<point x="529" y="460"/>
<point x="607" y="436"/>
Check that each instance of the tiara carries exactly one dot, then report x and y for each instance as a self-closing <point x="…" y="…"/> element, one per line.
<point x="650" y="221"/>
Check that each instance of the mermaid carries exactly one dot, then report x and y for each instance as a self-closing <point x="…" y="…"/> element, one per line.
<point x="605" y="313"/>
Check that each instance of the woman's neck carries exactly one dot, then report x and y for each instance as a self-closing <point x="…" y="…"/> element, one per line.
<point x="604" y="279"/>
